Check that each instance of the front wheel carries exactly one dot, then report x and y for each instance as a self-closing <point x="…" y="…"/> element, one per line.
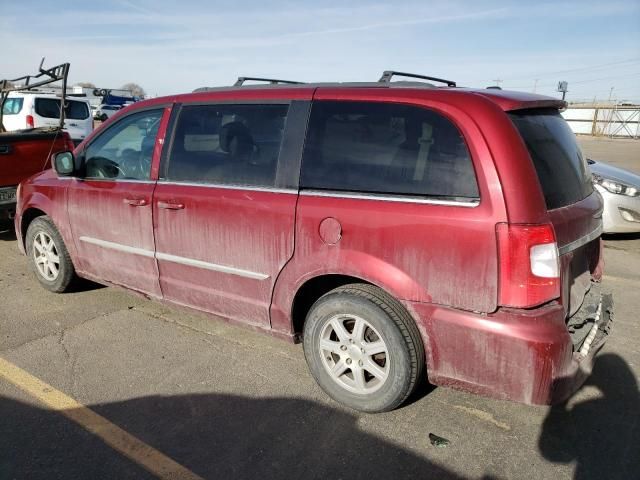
<point x="48" y="255"/>
<point x="363" y="348"/>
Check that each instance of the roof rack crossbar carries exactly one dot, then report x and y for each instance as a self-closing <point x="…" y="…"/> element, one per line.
<point x="273" y="81"/>
<point x="388" y="74"/>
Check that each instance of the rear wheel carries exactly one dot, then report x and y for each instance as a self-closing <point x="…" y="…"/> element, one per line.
<point x="48" y="255"/>
<point x="363" y="348"/>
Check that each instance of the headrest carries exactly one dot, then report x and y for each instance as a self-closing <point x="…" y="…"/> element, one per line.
<point x="240" y="133"/>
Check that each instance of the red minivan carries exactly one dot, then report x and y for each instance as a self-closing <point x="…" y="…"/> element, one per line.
<point x="401" y="231"/>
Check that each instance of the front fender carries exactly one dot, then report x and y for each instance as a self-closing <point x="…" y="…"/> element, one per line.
<point x="46" y="199"/>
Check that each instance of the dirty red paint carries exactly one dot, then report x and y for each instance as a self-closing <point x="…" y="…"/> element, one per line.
<point x="441" y="261"/>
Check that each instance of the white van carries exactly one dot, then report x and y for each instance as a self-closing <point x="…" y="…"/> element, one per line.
<point x="34" y="109"/>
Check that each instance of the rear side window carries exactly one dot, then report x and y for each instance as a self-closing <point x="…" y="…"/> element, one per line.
<point x="12" y="106"/>
<point x="227" y="144"/>
<point x="386" y="148"/>
<point x="50" y="108"/>
<point x="559" y="163"/>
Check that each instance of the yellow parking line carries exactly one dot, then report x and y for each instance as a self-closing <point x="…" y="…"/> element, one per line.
<point x="125" y="443"/>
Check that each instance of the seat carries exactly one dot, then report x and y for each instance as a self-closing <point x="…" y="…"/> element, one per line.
<point x="243" y="164"/>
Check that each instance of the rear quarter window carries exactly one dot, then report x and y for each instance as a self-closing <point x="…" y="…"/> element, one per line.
<point x="386" y="148"/>
<point x="12" y="106"/>
<point x="557" y="158"/>
<point x="50" y="108"/>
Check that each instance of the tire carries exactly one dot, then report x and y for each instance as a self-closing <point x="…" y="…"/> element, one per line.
<point x="45" y="257"/>
<point x="372" y="380"/>
<point x="103" y="117"/>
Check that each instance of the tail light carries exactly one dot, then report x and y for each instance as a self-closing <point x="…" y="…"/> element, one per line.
<point x="529" y="265"/>
<point x="68" y="142"/>
<point x="30" y="123"/>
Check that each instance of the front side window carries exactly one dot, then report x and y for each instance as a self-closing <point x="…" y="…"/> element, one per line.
<point x="125" y="150"/>
<point x="12" y="106"/>
<point x="50" y="108"/>
<point x="227" y="144"/>
<point x="386" y="148"/>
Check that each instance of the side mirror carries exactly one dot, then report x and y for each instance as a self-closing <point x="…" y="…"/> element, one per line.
<point x="64" y="164"/>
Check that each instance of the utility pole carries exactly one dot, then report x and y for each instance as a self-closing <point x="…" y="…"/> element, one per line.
<point x="498" y="81"/>
<point x="610" y="93"/>
<point x="563" y="86"/>
<point x="535" y="85"/>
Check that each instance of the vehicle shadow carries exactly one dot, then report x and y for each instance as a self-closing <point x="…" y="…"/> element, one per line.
<point x="80" y="285"/>
<point x="602" y="435"/>
<point x="621" y="236"/>
<point x="215" y="436"/>
<point x="7" y="231"/>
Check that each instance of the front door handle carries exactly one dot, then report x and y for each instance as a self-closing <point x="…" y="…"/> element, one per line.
<point x="136" y="202"/>
<point x="170" y="205"/>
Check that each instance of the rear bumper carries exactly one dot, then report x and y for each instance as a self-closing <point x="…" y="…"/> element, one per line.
<point x="526" y="356"/>
<point x="7" y="202"/>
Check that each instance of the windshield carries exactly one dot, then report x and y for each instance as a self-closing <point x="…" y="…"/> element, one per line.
<point x="559" y="163"/>
<point x="50" y="108"/>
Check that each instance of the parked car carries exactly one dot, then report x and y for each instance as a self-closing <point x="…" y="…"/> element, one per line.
<point x="620" y="190"/>
<point x="105" y="111"/>
<point x="24" y="153"/>
<point x="30" y="109"/>
<point x="392" y="227"/>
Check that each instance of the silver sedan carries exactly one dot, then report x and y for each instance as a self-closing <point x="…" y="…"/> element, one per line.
<point x="620" y="191"/>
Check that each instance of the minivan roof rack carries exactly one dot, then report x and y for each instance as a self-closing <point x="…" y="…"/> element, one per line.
<point x="388" y="74"/>
<point x="274" y="81"/>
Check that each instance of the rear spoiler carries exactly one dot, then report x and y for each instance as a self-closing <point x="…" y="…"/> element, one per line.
<point x="559" y="104"/>
<point x="510" y="100"/>
<point x="49" y="75"/>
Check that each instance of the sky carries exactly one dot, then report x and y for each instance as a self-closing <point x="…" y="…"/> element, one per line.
<point x="176" y="46"/>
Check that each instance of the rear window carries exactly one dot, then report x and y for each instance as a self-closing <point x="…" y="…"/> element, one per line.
<point x="50" y="108"/>
<point x="559" y="163"/>
<point x="386" y="148"/>
<point x="12" y="106"/>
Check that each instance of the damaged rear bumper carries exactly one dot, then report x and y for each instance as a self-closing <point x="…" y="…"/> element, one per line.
<point x="530" y="356"/>
<point x="588" y="329"/>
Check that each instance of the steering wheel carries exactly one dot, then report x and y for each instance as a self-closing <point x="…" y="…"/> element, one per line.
<point x="102" y="167"/>
<point x="135" y="163"/>
<point x="130" y="162"/>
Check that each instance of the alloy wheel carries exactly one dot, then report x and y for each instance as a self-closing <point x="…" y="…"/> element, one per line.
<point x="45" y="255"/>
<point x="354" y="354"/>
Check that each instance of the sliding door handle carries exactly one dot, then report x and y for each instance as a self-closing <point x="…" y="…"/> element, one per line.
<point x="170" y="205"/>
